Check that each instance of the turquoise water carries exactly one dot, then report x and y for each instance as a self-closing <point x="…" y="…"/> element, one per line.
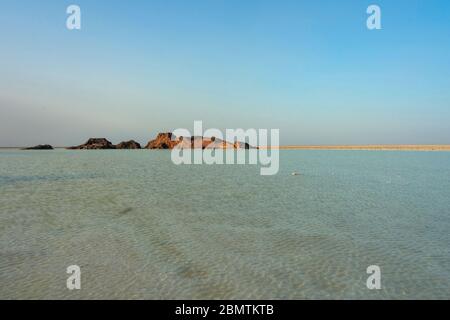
<point x="142" y="228"/>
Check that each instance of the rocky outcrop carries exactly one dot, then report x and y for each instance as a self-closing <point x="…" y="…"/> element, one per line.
<point x="40" y="147"/>
<point x="162" y="141"/>
<point x="243" y="145"/>
<point x="168" y="141"/>
<point x="94" y="144"/>
<point x="204" y="143"/>
<point x="128" y="145"/>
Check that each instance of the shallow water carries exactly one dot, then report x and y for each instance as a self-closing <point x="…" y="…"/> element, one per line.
<point x="141" y="227"/>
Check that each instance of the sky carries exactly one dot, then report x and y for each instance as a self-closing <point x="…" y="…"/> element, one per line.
<point x="311" y="69"/>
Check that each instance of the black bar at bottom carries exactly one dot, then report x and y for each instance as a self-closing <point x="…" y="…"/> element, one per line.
<point x="202" y="309"/>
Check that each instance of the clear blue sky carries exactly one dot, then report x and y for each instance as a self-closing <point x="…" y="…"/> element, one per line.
<point x="309" y="68"/>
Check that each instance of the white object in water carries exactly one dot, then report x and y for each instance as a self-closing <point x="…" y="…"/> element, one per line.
<point x="295" y="173"/>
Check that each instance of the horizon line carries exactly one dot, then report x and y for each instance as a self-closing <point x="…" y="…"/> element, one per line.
<point x="380" y="147"/>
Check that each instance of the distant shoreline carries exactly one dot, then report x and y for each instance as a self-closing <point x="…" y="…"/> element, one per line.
<point x="436" y="147"/>
<point x="414" y="147"/>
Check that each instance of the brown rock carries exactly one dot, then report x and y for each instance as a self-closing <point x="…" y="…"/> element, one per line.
<point x="128" y="145"/>
<point x="93" y="144"/>
<point x="167" y="141"/>
<point x="162" y="141"/>
<point x="243" y="145"/>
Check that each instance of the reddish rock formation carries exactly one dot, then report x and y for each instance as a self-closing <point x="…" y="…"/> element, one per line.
<point x="162" y="141"/>
<point x="94" y="143"/>
<point x="128" y="145"/>
<point x="167" y="141"/>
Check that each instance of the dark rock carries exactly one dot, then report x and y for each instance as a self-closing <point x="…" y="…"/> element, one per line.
<point x="93" y="144"/>
<point x="40" y="147"/>
<point x="128" y="145"/>
<point x="244" y="145"/>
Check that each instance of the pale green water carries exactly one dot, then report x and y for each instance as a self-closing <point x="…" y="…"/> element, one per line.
<point x="141" y="227"/>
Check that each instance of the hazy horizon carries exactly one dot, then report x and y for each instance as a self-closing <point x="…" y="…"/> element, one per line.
<point x="312" y="70"/>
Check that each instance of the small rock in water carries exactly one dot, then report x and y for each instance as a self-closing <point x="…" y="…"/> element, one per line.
<point x="125" y="211"/>
<point x="40" y="147"/>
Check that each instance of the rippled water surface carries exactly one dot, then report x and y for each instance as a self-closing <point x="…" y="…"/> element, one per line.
<point x="141" y="227"/>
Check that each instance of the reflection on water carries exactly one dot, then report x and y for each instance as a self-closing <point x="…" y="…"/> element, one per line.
<point x="141" y="227"/>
